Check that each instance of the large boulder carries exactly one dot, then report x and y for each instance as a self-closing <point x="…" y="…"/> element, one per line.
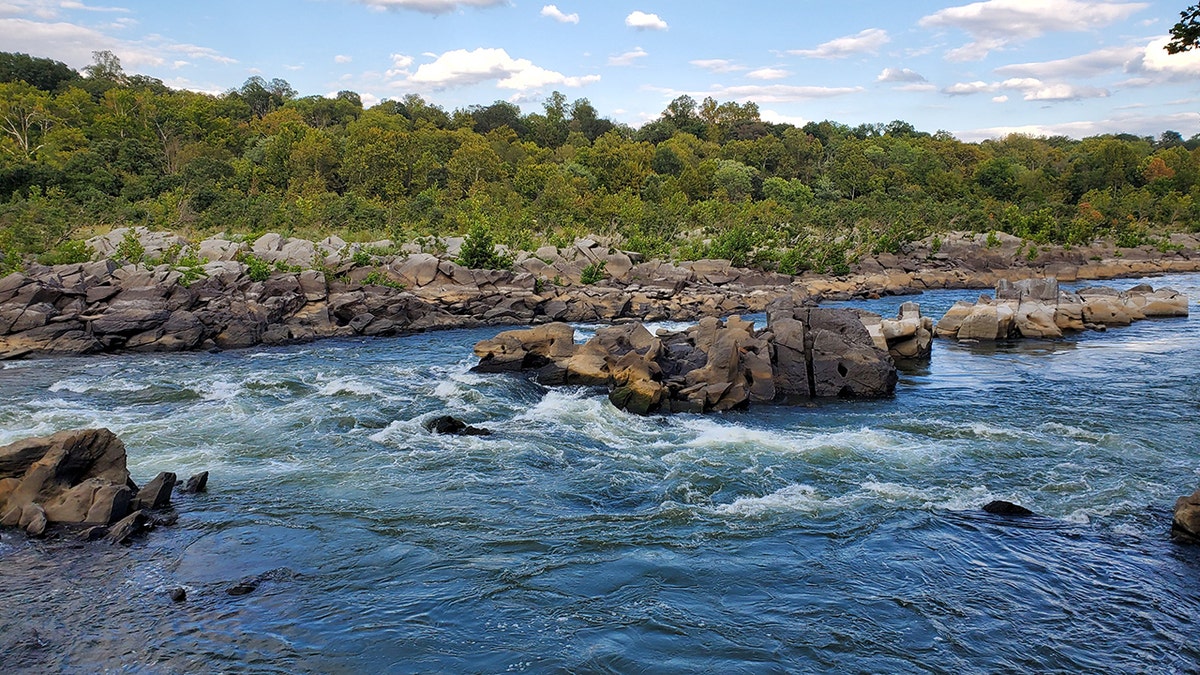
<point x="71" y="476"/>
<point x="80" y="478"/>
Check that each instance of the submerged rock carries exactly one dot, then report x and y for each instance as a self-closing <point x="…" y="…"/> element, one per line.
<point x="446" y="424"/>
<point x="1000" y="507"/>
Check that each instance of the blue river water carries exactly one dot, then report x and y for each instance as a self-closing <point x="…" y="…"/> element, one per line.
<point x="838" y="537"/>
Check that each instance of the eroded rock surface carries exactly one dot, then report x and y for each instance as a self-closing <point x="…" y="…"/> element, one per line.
<point x="78" y="478"/>
<point x="1037" y="308"/>
<point x="717" y="365"/>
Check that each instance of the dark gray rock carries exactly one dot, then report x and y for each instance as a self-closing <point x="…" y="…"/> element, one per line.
<point x="197" y="483"/>
<point x="445" y="424"/>
<point x="1003" y="508"/>
<point x="157" y="493"/>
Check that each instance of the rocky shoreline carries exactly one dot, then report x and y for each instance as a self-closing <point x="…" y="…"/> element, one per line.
<point x="277" y="291"/>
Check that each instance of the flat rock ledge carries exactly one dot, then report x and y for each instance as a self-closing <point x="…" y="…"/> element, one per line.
<point x="1037" y="308"/>
<point x="803" y="353"/>
<point x="79" y="479"/>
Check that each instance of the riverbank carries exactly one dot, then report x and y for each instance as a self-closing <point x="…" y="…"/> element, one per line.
<point x="277" y="291"/>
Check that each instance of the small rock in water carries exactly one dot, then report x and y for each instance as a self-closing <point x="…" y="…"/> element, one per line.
<point x="1003" y="508"/>
<point x="197" y="483"/>
<point x="242" y="588"/>
<point x="178" y="594"/>
<point x="94" y="533"/>
<point x="451" y="425"/>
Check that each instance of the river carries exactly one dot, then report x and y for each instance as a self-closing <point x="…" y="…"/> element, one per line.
<point x="838" y="537"/>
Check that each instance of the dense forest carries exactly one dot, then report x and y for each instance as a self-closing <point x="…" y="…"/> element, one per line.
<point x="84" y="152"/>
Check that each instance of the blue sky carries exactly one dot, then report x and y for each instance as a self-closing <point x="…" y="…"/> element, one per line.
<point x="978" y="70"/>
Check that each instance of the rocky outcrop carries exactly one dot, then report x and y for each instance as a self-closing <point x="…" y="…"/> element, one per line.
<point x="78" y="478"/>
<point x="1036" y="308"/>
<point x="804" y="352"/>
<point x="907" y="337"/>
<point x="332" y="288"/>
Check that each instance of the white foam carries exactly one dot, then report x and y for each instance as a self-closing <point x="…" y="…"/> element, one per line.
<point x="83" y="386"/>
<point x="592" y="415"/>
<point x="348" y="385"/>
<point x="1076" y="433"/>
<point x="220" y="390"/>
<point x="714" y="435"/>
<point x="797" y="497"/>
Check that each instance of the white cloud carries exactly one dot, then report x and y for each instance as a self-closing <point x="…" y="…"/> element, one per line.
<point x="68" y="4"/>
<point x="717" y="65"/>
<point x="555" y="13"/>
<point x="780" y="118"/>
<point x="864" y="42"/>
<point x="768" y="74"/>
<point x="643" y="21"/>
<point x="400" y="64"/>
<point x="342" y="58"/>
<point x="628" y="58"/>
<point x="1031" y="89"/>
<point x="1034" y="89"/>
<point x="1002" y="98"/>
<point x="460" y="68"/>
<point x="900" y="75"/>
<point x="292" y="67"/>
<point x="184" y="83"/>
<point x="781" y="93"/>
<point x="73" y="44"/>
<point x="967" y="88"/>
<point x="1084" y="65"/>
<point x="1154" y="59"/>
<point x="430" y="6"/>
<point x="995" y="24"/>
<point x="916" y="87"/>
<point x="1148" y="125"/>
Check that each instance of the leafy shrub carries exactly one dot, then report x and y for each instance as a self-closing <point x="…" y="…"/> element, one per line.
<point x="256" y="268"/>
<point x="191" y="266"/>
<point x="479" y="251"/>
<point x="130" y="249"/>
<point x="593" y="273"/>
<point x="67" y="253"/>
<point x="378" y="278"/>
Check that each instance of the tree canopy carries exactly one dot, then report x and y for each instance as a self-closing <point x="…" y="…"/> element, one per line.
<point x="1185" y="35"/>
<point x="706" y="178"/>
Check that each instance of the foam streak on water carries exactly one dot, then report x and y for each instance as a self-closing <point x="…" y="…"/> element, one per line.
<point x="841" y="537"/>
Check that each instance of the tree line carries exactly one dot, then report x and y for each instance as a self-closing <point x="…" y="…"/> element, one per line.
<point x="82" y="152"/>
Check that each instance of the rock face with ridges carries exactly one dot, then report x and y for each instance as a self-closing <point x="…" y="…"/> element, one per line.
<point x="76" y="478"/>
<point x="803" y="353"/>
<point x="1036" y="308"/>
<point x="68" y="476"/>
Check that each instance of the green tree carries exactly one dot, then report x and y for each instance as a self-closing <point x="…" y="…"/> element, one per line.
<point x="479" y="251"/>
<point x="45" y="74"/>
<point x="1185" y="35"/>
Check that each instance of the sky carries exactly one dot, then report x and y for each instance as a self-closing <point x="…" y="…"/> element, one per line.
<point x="978" y="70"/>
